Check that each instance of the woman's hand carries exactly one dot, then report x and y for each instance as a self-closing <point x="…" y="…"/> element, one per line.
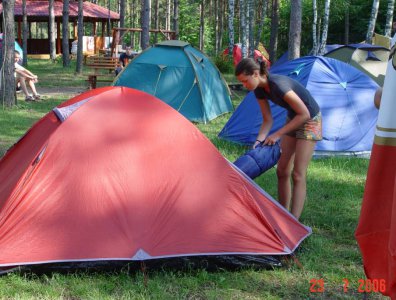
<point x="256" y="143"/>
<point x="272" y="139"/>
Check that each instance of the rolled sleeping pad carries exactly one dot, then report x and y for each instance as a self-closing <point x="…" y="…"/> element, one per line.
<point x="256" y="161"/>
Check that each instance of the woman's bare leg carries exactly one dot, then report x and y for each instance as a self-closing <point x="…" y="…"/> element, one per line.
<point x="283" y="171"/>
<point x="304" y="150"/>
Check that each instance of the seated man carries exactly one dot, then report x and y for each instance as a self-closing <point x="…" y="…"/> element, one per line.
<point x="22" y="76"/>
<point x="124" y="59"/>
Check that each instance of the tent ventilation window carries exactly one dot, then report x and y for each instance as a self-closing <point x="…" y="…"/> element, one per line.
<point x="63" y="113"/>
<point x="198" y="59"/>
<point x="297" y="70"/>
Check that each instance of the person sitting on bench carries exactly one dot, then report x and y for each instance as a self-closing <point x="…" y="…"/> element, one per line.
<point x="124" y="59"/>
<point x="22" y="76"/>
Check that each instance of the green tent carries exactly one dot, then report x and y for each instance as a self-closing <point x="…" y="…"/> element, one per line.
<point x="181" y="76"/>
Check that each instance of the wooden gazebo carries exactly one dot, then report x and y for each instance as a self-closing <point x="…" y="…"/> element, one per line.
<point x="38" y="12"/>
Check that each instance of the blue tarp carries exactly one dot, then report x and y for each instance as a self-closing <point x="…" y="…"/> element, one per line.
<point x="344" y="94"/>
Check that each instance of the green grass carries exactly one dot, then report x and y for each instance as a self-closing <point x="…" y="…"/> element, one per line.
<point x="335" y="190"/>
<point x="55" y="75"/>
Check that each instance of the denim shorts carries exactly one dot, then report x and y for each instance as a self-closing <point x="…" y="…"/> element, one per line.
<point x="310" y="130"/>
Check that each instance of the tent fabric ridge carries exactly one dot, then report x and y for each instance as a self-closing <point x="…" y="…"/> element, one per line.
<point x="158" y="79"/>
<point x="188" y="94"/>
<point x="39" y="156"/>
<point x="205" y="117"/>
<point x="263" y="192"/>
<point x="355" y="114"/>
<point x="21" y="183"/>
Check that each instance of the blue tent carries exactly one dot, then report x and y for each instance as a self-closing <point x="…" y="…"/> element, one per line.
<point x="182" y="77"/>
<point x="284" y="57"/>
<point x="344" y="94"/>
<point x="17" y="46"/>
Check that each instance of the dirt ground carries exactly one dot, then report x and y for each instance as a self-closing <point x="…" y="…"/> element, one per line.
<point x="48" y="92"/>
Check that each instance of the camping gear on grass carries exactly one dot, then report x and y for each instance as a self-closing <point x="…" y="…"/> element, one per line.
<point x="181" y="76"/>
<point x="260" y="53"/>
<point x="115" y="174"/>
<point x="256" y="161"/>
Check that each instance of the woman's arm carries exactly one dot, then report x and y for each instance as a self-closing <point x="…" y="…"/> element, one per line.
<point x="267" y="121"/>
<point x="302" y="115"/>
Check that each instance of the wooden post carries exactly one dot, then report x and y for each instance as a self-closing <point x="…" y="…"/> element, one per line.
<point x="75" y="30"/>
<point x="58" y="40"/>
<point x="19" y="33"/>
<point x="94" y="36"/>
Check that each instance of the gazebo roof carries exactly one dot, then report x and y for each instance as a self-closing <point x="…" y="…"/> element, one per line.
<point x="37" y="10"/>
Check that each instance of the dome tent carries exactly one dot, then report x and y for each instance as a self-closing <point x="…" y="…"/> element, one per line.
<point x="344" y="94"/>
<point x="106" y="184"/>
<point x="370" y="59"/>
<point x="182" y="76"/>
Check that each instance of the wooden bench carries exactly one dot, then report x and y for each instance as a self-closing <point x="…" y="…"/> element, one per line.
<point x="235" y="86"/>
<point x="103" y="69"/>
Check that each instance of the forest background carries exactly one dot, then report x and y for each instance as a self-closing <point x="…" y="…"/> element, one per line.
<point x="300" y="26"/>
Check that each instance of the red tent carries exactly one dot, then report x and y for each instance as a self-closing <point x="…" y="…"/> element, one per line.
<point x="126" y="177"/>
<point x="376" y="231"/>
<point x="237" y="54"/>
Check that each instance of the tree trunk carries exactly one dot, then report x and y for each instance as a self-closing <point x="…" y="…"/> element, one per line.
<point x="176" y="18"/>
<point x="80" y="33"/>
<point x="262" y="23"/>
<point x="122" y="13"/>
<point x="7" y="78"/>
<point x="251" y="27"/>
<point x="231" y="35"/>
<point x="201" y="26"/>
<point x="167" y="15"/>
<point x="315" y="47"/>
<point x="51" y="30"/>
<point x="373" y="20"/>
<point x="216" y="12"/>
<point x="156" y="19"/>
<point x="346" y="28"/>
<point x="295" y="30"/>
<point x="274" y="30"/>
<point x="323" y="40"/>
<point x="242" y="12"/>
<point x="133" y="21"/>
<point x="108" y="19"/>
<point x="65" y="34"/>
<point x="145" y="38"/>
<point x="222" y="14"/>
<point x="389" y="18"/>
<point x="24" y="33"/>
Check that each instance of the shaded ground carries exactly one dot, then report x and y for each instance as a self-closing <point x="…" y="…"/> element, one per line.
<point x="56" y="91"/>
